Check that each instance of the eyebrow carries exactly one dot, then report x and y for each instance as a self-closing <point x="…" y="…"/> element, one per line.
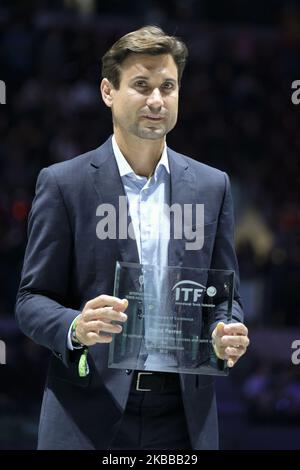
<point x="141" y="77"/>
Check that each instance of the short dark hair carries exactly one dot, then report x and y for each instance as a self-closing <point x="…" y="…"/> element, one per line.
<point x="150" y="40"/>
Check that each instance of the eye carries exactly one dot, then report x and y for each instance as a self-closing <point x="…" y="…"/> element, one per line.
<point x="141" y="83"/>
<point x="168" y="85"/>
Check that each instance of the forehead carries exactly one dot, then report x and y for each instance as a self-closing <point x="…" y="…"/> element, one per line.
<point x="162" y="65"/>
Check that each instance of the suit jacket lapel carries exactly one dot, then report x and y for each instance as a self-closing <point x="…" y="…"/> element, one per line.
<point x="181" y="192"/>
<point x="109" y="187"/>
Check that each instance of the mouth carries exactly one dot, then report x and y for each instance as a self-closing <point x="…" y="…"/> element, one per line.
<point x="152" y="118"/>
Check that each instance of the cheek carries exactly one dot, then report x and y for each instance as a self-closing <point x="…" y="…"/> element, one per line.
<point x="130" y="103"/>
<point x="174" y="111"/>
<point x="173" y="104"/>
<point x="121" y="108"/>
<point x="134" y="99"/>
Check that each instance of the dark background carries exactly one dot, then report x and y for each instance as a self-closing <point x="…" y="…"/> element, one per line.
<point x="236" y="114"/>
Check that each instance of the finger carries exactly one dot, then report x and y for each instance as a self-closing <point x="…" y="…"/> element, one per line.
<point x="107" y="313"/>
<point x="235" y="341"/>
<point x="219" y="330"/>
<point x="236" y="329"/>
<point x="93" y="338"/>
<point x="98" y="326"/>
<point x="235" y="352"/>
<point x="107" y="301"/>
<point x="232" y="361"/>
<point x="112" y="315"/>
<point x="109" y="328"/>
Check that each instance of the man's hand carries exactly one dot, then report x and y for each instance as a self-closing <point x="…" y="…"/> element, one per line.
<point x="95" y="319"/>
<point x="230" y="341"/>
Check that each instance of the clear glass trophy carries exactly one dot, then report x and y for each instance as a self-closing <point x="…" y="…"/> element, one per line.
<point x="172" y="312"/>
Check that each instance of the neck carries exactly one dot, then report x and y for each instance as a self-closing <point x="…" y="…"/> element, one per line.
<point x="141" y="154"/>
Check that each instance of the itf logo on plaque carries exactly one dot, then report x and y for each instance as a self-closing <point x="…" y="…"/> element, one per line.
<point x="188" y="291"/>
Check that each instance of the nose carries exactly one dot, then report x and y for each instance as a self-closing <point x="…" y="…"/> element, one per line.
<point x="155" y="101"/>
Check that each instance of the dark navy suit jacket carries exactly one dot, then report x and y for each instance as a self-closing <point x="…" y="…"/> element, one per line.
<point x="66" y="265"/>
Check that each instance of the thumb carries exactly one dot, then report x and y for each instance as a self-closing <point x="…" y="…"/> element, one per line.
<point x="220" y="329"/>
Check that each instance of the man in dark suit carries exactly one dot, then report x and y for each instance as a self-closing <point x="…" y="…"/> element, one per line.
<point x="65" y="300"/>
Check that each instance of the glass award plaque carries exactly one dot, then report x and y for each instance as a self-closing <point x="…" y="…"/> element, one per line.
<point x="172" y="312"/>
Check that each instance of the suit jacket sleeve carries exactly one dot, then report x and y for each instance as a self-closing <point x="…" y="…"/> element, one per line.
<point x="224" y="256"/>
<point x="41" y="307"/>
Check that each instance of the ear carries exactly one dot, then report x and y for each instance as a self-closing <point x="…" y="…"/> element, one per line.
<point x="106" y="89"/>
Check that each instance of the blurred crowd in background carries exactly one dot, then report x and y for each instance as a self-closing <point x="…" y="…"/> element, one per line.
<point x="236" y="113"/>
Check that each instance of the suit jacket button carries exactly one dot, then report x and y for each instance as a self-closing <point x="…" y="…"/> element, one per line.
<point x="128" y="371"/>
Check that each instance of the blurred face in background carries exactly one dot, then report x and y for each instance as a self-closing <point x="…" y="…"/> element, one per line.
<point x="146" y="103"/>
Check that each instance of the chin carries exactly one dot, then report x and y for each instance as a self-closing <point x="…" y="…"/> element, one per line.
<point x="153" y="134"/>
